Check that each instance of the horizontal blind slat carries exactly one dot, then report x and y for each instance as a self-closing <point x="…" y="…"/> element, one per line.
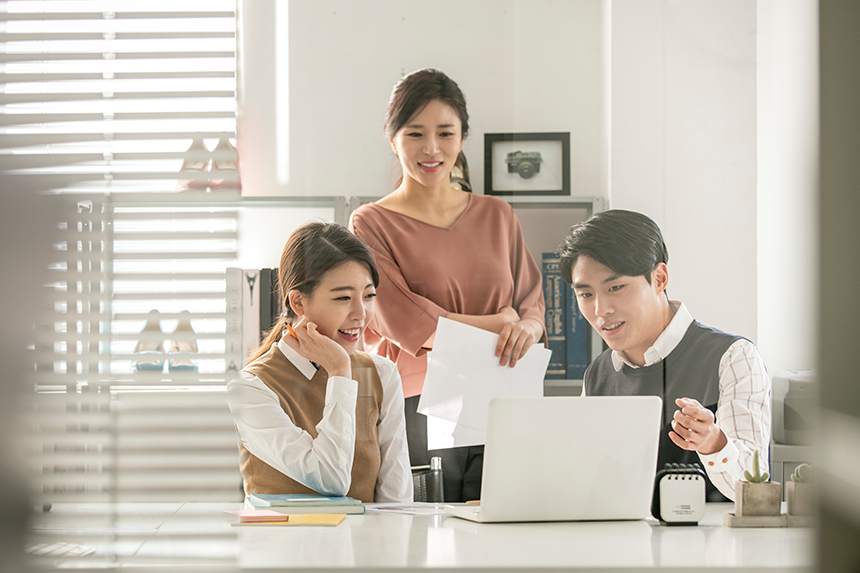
<point x="142" y="337"/>
<point x="29" y="140"/>
<point x="201" y="256"/>
<point x="42" y="160"/>
<point x="58" y="316"/>
<point x="15" y="98"/>
<point x="133" y="459"/>
<point x="10" y="37"/>
<point x="115" y="56"/>
<point x="55" y="383"/>
<point x="157" y="236"/>
<point x="184" y="355"/>
<point x="59" y="78"/>
<point x="173" y="316"/>
<point x="119" y="15"/>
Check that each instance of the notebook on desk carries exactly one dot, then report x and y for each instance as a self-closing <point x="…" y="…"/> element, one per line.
<point x="568" y="459"/>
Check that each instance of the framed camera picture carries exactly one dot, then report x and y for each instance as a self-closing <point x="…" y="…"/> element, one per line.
<point x="527" y="163"/>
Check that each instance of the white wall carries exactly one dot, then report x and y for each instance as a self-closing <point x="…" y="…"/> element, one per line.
<point x="788" y="265"/>
<point x="265" y="228"/>
<point x="683" y="145"/>
<point x="659" y="96"/>
<point x="524" y="67"/>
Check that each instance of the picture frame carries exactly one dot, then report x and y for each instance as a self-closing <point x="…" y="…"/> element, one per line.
<point x="529" y="164"/>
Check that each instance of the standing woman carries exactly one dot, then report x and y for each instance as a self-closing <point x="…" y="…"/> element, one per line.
<point x="443" y="252"/>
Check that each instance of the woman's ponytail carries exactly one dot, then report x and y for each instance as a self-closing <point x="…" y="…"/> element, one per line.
<point x="460" y="174"/>
<point x="270" y="338"/>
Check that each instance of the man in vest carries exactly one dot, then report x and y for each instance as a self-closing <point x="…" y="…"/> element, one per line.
<point x="715" y="388"/>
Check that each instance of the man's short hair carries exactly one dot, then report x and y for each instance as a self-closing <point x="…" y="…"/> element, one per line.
<point x="627" y="242"/>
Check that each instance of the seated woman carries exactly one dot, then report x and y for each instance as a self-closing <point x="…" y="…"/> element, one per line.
<point x="313" y="414"/>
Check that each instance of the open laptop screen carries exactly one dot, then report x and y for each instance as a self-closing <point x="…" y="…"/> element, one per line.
<point x="570" y="458"/>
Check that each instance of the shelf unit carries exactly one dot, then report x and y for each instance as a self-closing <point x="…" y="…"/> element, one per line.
<point x="545" y="222"/>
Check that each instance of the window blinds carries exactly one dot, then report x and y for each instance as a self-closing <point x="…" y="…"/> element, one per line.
<point x="109" y="96"/>
<point x="139" y="334"/>
<point x="124" y="112"/>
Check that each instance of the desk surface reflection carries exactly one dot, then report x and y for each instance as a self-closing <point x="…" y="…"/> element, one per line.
<point x="200" y="535"/>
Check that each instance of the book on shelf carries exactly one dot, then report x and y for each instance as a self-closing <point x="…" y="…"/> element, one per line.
<point x="304" y="503"/>
<point x="567" y="330"/>
<point x="577" y="332"/>
<point x="250" y="311"/>
<point x="265" y="311"/>
<point x="301" y="499"/>
<point x="271" y="305"/>
<point x="253" y="301"/>
<point x="234" y="328"/>
<point x="554" y="297"/>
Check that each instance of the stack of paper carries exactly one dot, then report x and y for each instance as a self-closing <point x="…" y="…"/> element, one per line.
<point x="258" y="515"/>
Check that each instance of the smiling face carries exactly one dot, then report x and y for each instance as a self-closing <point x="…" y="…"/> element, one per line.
<point x="628" y="312"/>
<point x="341" y="305"/>
<point x="428" y="144"/>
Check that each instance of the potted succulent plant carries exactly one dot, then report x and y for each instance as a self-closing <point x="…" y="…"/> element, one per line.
<point x="799" y="496"/>
<point x="757" y="496"/>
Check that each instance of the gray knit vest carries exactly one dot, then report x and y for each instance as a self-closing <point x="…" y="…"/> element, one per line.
<point x="690" y="371"/>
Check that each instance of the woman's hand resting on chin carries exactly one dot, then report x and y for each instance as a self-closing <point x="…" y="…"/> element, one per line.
<point x="319" y="348"/>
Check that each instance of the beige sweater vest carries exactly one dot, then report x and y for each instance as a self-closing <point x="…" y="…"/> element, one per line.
<point x="303" y="401"/>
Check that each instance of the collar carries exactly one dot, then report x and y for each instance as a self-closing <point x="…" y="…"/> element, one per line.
<point x="665" y="343"/>
<point x="304" y="365"/>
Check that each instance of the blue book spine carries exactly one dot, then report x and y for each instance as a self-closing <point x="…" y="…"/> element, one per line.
<point x="553" y="294"/>
<point x="576" y="335"/>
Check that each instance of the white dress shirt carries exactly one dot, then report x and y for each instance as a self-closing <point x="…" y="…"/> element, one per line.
<point x="324" y="464"/>
<point x="743" y="410"/>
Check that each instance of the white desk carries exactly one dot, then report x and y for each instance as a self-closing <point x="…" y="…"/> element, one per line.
<point x="198" y="535"/>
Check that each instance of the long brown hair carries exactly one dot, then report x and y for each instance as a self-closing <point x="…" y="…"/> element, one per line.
<point x="413" y="92"/>
<point x="311" y="251"/>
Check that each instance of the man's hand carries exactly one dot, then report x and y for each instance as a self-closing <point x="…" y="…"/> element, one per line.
<point x="695" y="428"/>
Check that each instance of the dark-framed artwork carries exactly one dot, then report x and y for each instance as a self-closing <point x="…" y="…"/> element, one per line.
<point x="527" y="163"/>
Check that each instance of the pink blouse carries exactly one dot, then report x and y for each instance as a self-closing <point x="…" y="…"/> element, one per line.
<point x="478" y="266"/>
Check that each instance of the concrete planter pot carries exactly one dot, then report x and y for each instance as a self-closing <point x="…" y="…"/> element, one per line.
<point x="800" y="498"/>
<point x="757" y="499"/>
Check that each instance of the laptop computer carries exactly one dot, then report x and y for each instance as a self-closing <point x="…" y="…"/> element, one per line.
<point x="568" y="459"/>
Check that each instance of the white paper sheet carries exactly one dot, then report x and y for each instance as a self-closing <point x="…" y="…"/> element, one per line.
<point x="463" y="375"/>
<point x="442" y="434"/>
